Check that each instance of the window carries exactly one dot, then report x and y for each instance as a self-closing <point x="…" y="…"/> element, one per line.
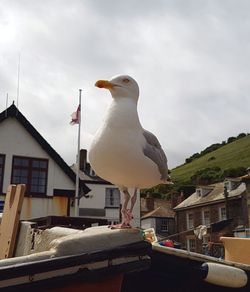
<point x="30" y="171"/>
<point x="222" y="213"/>
<point x="1" y="206"/>
<point x="198" y="192"/>
<point x="2" y="160"/>
<point x="191" y="244"/>
<point x="164" y="225"/>
<point x="206" y="217"/>
<point x="112" y="199"/>
<point x="190" y="221"/>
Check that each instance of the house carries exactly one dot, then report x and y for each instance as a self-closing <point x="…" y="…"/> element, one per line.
<point x="158" y="214"/>
<point x="26" y="157"/>
<point x="216" y="209"/>
<point x="161" y="219"/>
<point x="104" y="199"/>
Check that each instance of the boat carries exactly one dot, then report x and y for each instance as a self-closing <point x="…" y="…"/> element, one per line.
<point x="173" y="269"/>
<point x="104" y="259"/>
<point x="66" y="259"/>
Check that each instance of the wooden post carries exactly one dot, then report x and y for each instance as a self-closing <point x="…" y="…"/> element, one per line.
<point x="10" y="219"/>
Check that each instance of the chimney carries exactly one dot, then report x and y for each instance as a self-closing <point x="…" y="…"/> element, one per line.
<point x="83" y="159"/>
<point x="181" y="198"/>
<point x="149" y="203"/>
<point x="174" y="200"/>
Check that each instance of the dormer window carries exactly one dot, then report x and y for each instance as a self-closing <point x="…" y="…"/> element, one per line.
<point x="231" y="184"/>
<point x="203" y="191"/>
<point x="198" y="192"/>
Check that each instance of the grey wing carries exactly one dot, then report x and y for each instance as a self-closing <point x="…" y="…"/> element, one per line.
<point x="154" y="151"/>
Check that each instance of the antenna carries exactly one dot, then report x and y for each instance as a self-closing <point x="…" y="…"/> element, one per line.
<point x="7" y="98"/>
<point x="18" y="79"/>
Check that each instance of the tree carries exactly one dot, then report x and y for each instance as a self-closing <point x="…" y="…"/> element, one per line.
<point x="234" y="172"/>
<point x="231" y="139"/>
<point x="241" y="135"/>
<point x="207" y="175"/>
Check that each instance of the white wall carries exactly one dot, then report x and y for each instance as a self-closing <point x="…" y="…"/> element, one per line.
<point x="148" y="223"/>
<point x="15" y="140"/>
<point x="42" y="207"/>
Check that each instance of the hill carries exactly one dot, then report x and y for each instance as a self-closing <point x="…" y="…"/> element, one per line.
<point x="232" y="155"/>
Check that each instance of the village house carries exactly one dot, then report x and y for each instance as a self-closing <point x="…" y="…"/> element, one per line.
<point x="26" y="157"/>
<point x="158" y="214"/>
<point x="211" y="212"/>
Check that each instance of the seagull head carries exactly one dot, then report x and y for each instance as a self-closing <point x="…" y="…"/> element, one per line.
<point x="120" y="86"/>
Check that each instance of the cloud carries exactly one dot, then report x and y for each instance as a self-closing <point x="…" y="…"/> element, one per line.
<point x="190" y="58"/>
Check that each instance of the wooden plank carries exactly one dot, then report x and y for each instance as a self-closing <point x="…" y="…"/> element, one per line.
<point x="10" y="219"/>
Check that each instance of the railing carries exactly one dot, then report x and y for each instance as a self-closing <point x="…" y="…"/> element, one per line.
<point x="214" y="249"/>
<point x="242" y="233"/>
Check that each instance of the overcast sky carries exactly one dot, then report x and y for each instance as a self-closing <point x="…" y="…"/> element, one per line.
<point x="190" y="58"/>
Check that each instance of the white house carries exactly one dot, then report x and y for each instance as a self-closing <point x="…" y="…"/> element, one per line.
<point x="26" y="157"/>
<point x="104" y="199"/>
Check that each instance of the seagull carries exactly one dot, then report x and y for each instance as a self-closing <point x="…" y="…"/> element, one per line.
<point x="122" y="151"/>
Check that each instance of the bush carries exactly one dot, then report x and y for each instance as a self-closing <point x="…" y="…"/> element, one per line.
<point x="241" y="135"/>
<point x="231" y="139"/>
<point x="186" y="189"/>
<point x="211" y="148"/>
<point x="234" y="172"/>
<point x="207" y="175"/>
<point x="211" y="158"/>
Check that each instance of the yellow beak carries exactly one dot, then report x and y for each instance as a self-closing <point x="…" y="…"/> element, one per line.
<point x="104" y="84"/>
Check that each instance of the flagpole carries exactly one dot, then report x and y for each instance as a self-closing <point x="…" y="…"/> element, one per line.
<point x="78" y="158"/>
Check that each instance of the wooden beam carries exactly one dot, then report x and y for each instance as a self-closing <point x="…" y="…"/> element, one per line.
<point x="10" y="219"/>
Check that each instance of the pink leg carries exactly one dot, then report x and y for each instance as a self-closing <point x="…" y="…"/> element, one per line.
<point x="133" y="201"/>
<point x="124" y="211"/>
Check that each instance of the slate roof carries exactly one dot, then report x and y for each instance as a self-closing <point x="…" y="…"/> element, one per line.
<point x="216" y="195"/>
<point x="160" y="212"/>
<point x="13" y="112"/>
<point x="89" y="179"/>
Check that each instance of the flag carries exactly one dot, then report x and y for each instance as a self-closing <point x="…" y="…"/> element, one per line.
<point x="75" y="117"/>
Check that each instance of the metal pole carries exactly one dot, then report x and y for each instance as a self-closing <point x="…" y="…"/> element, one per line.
<point x="7" y="99"/>
<point x="78" y="158"/>
<point x="18" y="80"/>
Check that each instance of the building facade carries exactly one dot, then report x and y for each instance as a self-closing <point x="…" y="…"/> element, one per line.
<point x="26" y="157"/>
<point x="211" y="212"/>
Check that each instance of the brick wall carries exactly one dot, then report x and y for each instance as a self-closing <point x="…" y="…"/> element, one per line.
<point x="235" y="212"/>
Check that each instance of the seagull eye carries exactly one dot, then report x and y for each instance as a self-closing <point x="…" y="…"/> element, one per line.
<point x="125" y="80"/>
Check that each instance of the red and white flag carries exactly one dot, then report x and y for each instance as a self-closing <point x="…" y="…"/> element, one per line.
<point x="75" y="117"/>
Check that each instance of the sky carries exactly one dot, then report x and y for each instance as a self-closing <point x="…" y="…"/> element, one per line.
<point x="191" y="60"/>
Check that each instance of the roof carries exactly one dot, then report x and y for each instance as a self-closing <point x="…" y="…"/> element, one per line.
<point x="216" y="195"/>
<point x="160" y="212"/>
<point x="89" y="179"/>
<point x="14" y="112"/>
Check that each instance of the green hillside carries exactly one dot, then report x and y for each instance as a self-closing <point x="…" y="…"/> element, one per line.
<point x="232" y="155"/>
